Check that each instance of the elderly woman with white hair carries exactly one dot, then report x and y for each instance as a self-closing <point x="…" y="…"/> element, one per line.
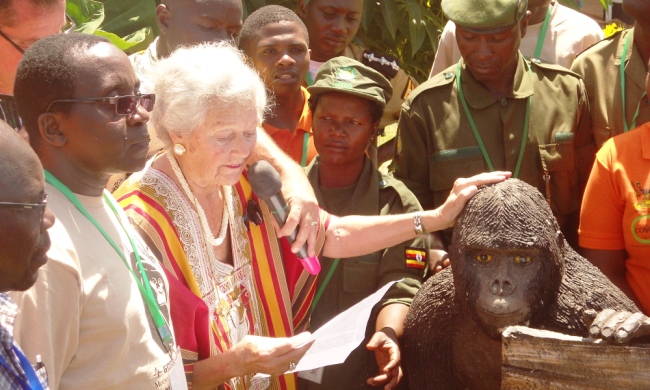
<point x="239" y="295"/>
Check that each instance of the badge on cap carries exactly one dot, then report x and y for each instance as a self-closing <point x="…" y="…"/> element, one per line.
<point x="344" y="77"/>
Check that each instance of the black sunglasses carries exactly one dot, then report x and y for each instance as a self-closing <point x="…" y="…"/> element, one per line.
<point x="124" y="105"/>
<point x="28" y="206"/>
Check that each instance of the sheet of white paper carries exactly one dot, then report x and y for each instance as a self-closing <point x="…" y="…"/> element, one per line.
<point x="339" y="337"/>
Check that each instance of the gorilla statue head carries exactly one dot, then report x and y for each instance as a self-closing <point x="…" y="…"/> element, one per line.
<point x="508" y="256"/>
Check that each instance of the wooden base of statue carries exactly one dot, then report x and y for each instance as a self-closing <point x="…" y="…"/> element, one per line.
<point x="538" y="359"/>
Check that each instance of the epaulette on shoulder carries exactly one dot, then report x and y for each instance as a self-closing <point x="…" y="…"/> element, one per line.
<point x="442" y="79"/>
<point x="536" y="62"/>
<point x="602" y="42"/>
<point x="445" y="77"/>
<point x="614" y="35"/>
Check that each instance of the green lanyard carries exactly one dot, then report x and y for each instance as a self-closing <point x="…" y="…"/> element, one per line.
<point x="305" y="149"/>
<point x="542" y="33"/>
<point x="145" y="290"/>
<point x="632" y="125"/>
<point x="322" y="286"/>
<point x="486" y="156"/>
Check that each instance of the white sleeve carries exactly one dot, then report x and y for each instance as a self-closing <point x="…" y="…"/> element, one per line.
<point x="48" y="313"/>
<point x="445" y="54"/>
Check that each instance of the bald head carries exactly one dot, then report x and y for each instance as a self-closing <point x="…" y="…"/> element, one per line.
<point x="19" y="162"/>
<point x="190" y="22"/>
<point x="24" y="221"/>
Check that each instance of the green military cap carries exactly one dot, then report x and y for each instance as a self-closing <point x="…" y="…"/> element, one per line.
<point x="342" y="74"/>
<point x="485" y="16"/>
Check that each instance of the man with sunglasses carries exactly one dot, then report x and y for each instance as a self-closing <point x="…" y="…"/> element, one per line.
<point x="24" y="241"/>
<point x="100" y="316"/>
<point x="23" y="22"/>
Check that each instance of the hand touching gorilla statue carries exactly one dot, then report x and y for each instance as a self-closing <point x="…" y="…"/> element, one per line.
<point x="510" y="265"/>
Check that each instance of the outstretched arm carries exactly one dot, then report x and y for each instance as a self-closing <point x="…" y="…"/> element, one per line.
<point x="358" y="235"/>
<point x="385" y="343"/>
<point x="253" y="354"/>
<point x="295" y="189"/>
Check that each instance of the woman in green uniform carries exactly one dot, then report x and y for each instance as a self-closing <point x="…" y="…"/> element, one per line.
<point x="347" y="102"/>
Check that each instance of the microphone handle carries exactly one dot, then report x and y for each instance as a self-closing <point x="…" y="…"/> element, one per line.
<point x="280" y="210"/>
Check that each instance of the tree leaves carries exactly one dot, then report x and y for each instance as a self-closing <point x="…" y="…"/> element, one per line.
<point x="389" y="13"/>
<point x="129" y="25"/>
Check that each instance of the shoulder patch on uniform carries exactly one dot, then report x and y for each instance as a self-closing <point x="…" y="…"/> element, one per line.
<point x="537" y="63"/>
<point x="604" y="41"/>
<point x="436" y="81"/>
<point x="443" y="78"/>
<point x="415" y="257"/>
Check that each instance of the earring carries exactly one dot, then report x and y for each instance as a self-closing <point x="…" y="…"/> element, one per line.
<point x="179" y="149"/>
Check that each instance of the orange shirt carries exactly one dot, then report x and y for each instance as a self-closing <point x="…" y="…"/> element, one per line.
<point x="615" y="211"/>
<point x="293" y="142"/>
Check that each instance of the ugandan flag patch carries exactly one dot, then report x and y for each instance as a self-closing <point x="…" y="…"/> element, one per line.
<point x="415" y="258"/>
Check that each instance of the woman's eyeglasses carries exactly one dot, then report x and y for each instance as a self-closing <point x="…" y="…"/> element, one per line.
<point x="28" y="206"/>
<point x="124" y="105"/>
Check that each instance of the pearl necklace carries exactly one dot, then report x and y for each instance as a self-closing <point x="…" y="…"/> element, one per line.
<point x="202" y="218"/>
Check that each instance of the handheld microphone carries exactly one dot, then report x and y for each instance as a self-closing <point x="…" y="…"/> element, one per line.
<point x="266" y="184"/>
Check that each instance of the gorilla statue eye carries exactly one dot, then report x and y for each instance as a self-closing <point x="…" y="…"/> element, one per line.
<point x="523" y="260"/>
<point x="484" y="258"/>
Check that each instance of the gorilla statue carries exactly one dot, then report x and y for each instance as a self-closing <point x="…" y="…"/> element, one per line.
<point x="510" y="265"/>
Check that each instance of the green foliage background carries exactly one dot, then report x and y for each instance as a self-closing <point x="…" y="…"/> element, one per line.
<point x="406" y="29"/>
<point x="128" y="24"/>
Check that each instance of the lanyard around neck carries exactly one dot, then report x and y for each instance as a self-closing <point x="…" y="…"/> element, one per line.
<point x="32" y="382"/>
<point x="145" y="288"/>
<point x="486" y="156"/>
<point x="542" y="33"/>
<point x="326" y="281"/>
<point x="632" y="125"/>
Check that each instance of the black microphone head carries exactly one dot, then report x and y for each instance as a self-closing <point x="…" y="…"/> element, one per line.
<point x="264" y="179"/>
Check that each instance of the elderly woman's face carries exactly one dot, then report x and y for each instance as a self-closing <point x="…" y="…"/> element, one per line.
<point x="217" y="151"/>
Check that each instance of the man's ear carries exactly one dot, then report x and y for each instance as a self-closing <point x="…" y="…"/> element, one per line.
<point x="49" y="128"/>
<point x="301" y="9"/>
<point x="162" y="18"/>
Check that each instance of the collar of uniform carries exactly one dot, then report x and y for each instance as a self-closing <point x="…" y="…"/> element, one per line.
<point x="305" y="119"/>
<point x="645" y="140"/>
<point x="479" y="97"/>
<point x="353" y="51"/>
<point x="364" y="200"/>
<point x="635" y="70"/>
<point x="621" y="43"/>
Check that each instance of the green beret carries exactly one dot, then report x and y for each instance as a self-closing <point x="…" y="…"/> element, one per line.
<point x="342" y="74"/>
<point x="485" y="16"/>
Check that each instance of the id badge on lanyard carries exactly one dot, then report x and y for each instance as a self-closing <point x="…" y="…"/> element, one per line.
<point x="177" y="374"/>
